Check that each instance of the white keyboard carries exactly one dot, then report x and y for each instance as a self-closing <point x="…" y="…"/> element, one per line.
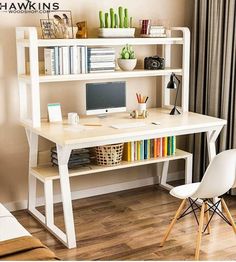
<point x="129" y="125"/>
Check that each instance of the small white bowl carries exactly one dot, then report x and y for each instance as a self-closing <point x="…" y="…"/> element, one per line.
<point x="127" y="64"/>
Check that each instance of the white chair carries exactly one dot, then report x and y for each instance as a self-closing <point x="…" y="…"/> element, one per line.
<point x="217" y="180"/>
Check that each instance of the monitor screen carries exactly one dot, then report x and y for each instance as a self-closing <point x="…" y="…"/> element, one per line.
<point x="105" y="97"/>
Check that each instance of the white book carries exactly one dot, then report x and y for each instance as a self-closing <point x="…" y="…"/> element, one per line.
<point x="101" y="58"/>
<point x="101" y="64"/>
<point x="86" y="59"/>
<point x="49" y="61"/>
<point x="102" y="71"/>
<point x="74" y="60"/>
<point x="82" y="59"/>
<point x="78" y="60"/>
<point x="60" y="61"/>
<point x="65" y="60"/>
<point x="157" y="31"/>
<point x="132" y="151"/>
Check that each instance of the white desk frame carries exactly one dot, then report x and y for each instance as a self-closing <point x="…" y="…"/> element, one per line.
<point x="210" y="126"/>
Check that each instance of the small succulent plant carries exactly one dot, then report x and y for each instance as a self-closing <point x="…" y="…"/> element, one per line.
<point x="127" y="52"/>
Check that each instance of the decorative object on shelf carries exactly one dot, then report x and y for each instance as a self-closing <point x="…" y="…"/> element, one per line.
<point x="145" y="24"/>
<point x="118" y="25"/>
<point x="154" y="63"/>
<point x="82" y="30"/>
<point x="174" y="84"/>
<point x="54" y="112"/>
<point x="109" y="155"/>
<point x="73" y="118"/>
<point x="141" y="112"/>
<point x="62" y="20"/>
<point x="47" y="27"/>
<point x="127" y="60"/>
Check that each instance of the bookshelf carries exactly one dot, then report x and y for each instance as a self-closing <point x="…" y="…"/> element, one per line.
<point x="67" y="140"/>
<point x="27" y="37"/>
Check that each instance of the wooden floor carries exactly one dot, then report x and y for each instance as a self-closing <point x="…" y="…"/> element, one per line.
<point x="129" y="226"/>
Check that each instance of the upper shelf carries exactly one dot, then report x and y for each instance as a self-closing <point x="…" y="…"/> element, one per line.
<point x="107" y="75"/>
<point x="104" y="41"/>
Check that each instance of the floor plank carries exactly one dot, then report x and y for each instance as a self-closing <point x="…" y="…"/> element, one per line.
<point x="129" y="225"/>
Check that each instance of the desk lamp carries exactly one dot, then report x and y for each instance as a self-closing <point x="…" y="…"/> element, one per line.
<point x="174" y="84"/>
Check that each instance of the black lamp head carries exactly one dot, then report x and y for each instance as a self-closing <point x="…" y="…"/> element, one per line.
<point x="172" y="83"/>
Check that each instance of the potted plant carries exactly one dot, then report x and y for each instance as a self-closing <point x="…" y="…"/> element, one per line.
<point x="127" y="60"/>
<point x="116" y="24"/>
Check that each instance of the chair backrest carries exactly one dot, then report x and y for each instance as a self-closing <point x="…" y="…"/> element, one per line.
<point x="219" y="176"/>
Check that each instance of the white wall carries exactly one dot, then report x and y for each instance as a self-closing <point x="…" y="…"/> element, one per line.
<point x="14" y="148"/>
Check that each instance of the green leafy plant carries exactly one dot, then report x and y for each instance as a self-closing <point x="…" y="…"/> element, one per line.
<point x="124" y="20"/>
<point x="127" y="52"/>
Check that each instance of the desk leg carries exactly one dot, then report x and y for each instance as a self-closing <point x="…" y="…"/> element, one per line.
<point x="33" y="160"/>
<point x="163" y="182"/>
<point x="63" y="158"/>
<point x="211" y="146"/>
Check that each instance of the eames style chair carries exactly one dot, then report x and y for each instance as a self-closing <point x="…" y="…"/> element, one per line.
<point x="217" y="180"/>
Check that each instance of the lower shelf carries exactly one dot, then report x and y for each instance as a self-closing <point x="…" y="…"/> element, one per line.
<point x="49" y="172"/>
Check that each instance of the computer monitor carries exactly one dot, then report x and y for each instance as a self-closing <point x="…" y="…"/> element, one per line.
<point x="103" y="98"/>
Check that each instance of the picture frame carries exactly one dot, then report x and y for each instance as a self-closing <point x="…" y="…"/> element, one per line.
<point x="62" y="22"/>
<point x="47" y="27"/>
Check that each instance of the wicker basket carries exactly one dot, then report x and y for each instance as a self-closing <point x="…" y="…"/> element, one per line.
<point x="109" y="155"/>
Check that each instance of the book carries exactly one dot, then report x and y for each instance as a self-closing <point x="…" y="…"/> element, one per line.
<point x="132" y="151"/>
<point x="60" y="61"/>
<point x="49" y="61"/>
<point x="148" y="148"/>
<point x="145" y="149"/>
<point x="139" y="150"/>
<point x="126" y="152"/>
<point x="65" y="60"/>
<point x="164" y="146"/>
<point x="169" y="146"/>
<point x="173" y="142"/>
<point x="101" y="65"/>
<point x="56" y="59"/>
<point x="158" y="147"/>
<point x="101" y="58"/>
<point x="142" y="150"/>
<point x="102" y="70"/>
<point x="74" y="60"/>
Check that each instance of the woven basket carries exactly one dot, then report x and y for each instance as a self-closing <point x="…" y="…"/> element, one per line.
<point x="109" y="155"/>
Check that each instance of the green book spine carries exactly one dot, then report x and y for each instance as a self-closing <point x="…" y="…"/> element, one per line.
<point x="169" y="146"/>
<point x="173" y="145"/>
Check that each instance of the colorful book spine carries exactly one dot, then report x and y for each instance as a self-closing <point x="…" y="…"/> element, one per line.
<point x="145" y="149"/>
<point x="142" y="150"/>
<point x="164" y="146"/>
<point x="139" y="150"/>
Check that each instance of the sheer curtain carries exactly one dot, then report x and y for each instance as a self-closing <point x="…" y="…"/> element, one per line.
<point x="213" y="73"/>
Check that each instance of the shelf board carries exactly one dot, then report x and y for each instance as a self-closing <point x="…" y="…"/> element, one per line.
<point x="104" y="41"/>
<point x="107" y="75"/>
<point x="48" y="172"/>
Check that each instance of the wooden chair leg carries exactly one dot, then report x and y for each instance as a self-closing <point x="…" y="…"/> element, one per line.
<point x="207" y="219"/>
<point x="199" y="235"/>
<point x="173" y="222"/>
<point x="228" y="214"/>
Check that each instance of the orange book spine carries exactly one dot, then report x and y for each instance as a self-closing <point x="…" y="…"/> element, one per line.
<point x="155" y="147"/>
<point x="158" y="148"/>
<point x="164" y="146"/>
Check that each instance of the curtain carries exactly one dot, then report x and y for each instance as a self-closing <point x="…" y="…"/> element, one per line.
<point x="213" y="74"/>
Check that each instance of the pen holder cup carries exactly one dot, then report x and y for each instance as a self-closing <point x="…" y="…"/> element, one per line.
<point x="142" y="107"/>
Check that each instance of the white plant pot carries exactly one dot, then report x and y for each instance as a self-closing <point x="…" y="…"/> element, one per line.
<point x="127" y="64"/>
<point x="116" y="32"/>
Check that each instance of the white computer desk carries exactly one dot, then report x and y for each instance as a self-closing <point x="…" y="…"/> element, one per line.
<point x="67" y="138"/>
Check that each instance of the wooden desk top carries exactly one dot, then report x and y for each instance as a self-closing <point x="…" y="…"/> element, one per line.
<point x="86" y="136"/>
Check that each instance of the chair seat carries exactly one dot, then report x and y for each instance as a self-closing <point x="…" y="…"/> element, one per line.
<point x="184" y="191"/>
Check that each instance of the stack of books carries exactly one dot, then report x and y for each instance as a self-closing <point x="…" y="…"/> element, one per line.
<point x="65" y="60"/>
<point x="155" y="31"/>
<point x="78" y="157"/>
<point x="150" y="148"/>
<point x="101" y="59"/>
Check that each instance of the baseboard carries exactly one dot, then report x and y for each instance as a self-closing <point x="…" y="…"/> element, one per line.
<point x="19" y="205"/>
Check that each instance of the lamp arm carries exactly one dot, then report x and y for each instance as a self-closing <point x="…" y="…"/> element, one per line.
<point x="178" y="82"/>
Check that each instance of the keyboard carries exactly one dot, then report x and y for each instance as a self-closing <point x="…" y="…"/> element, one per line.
<point x="129" y="125"/>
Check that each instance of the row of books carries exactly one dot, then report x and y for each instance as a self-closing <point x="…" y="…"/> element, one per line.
<point x="65" y="60"/>
<point x="78" y="157"/>
<point x="150" y="148"/>
<point x="101" y="59"/>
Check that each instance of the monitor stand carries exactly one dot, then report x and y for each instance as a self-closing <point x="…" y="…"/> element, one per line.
<point x="102" y="116"/>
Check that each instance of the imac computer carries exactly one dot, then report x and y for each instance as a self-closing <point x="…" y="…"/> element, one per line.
<point x="104" y="98"/>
